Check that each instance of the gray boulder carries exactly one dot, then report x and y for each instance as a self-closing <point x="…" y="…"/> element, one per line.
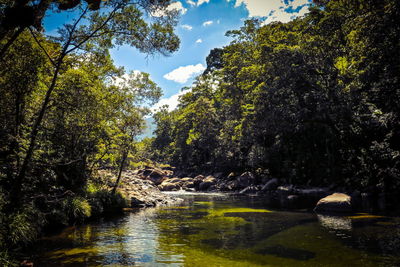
<point x="335" y="203"/>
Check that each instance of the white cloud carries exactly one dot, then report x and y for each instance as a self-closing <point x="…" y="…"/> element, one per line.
<point x="171" y="101"/>
<point x="187" y="27"/>
<point x="198" y="41"/>
<point x="275" y="10"/>
<point x="184" y="73"/>
<point x="200" y="2"/>
<point x="207" y="23"/>
<point x="190" y="2"/>
<point x="173" y="6"/>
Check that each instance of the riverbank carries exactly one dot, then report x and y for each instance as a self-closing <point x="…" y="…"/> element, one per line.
<point x="277" y="193"/>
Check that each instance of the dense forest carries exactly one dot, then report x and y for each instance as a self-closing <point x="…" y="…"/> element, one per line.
<point x="314" y="101"/>
<point x="65" y="109"/>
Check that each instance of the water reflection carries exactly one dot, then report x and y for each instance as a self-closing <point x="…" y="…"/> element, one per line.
<point x="220" y="230"/>
<point x="335" y="222"/>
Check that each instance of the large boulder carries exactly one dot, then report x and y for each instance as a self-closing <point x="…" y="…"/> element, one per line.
<point x="173" y="184"/>
<point x="187" y="183"/>
<point x="335" y="203"/>
<point x="197" y="181"/>
<point x="207" y="183"/>
<point x="156" y="175"/>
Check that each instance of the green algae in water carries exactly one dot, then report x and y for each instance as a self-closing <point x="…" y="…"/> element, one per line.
<point x="224" y="232"/>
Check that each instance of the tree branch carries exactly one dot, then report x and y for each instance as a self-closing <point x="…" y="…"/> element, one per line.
<point x="40" y="45"/>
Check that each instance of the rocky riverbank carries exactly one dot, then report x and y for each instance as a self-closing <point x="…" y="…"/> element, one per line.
<point x="276" y="192"/>
<point x="140" y="192"/>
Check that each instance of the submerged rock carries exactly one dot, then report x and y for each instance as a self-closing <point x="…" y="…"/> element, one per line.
<point x="336" y="203"/>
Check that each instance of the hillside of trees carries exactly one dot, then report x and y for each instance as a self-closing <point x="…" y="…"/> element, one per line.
<point x="312" y="102"/>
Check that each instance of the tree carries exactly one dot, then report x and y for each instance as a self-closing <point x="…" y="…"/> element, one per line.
<point x="93" y="33"/>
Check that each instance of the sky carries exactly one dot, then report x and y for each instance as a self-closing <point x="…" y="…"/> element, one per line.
<point x="202" y="27"/>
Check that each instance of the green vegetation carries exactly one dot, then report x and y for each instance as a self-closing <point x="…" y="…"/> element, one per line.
<point x="66" y="110"/>
<point x="314" y="101"/>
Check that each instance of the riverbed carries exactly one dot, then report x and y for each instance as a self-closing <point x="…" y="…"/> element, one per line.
<point x="225" y="230"/>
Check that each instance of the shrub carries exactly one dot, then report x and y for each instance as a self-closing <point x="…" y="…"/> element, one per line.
<point x="78" y="209"/>
<point x="104" y="201"/>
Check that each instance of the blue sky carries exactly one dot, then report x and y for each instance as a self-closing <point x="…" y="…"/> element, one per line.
<point x="202" y="27"/>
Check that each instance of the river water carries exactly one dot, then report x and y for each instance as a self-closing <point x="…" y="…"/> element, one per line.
<point x="223" y="230"/>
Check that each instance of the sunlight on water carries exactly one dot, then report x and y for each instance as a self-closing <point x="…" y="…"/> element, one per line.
<point x="221" y="230"/>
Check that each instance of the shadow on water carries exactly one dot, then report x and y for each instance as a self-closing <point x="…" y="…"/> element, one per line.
<point x="221" y="230"/>
<point x="284" y="252"/>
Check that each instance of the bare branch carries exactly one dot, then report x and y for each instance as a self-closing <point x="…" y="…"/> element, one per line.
<point x="95" y="31"/>
<point x="40" y="45"/>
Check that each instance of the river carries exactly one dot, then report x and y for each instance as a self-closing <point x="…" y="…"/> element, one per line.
<point x="225" y="230"/>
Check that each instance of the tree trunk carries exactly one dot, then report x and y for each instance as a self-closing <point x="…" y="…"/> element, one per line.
<point x="121" y="168"/>
<point x="10" y="42"/>
<point x="17" y="187"/>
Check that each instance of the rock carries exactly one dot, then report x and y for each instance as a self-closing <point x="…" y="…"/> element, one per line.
<point x="218" y="175"/>
<point x="155" y="175"/>
<point x="141" y="193"/>
<point x="187" y="183"/>
<point x="336" y="203"/>
<point x="137" y="202"/>
<point x="245" y="179"/>
<point x="231" y="176"/>
<point x="26" y="263"/>
<point x="173" y="184"/>
<point x="270" y="185"/>
<point x="207" y="182"/>
<point x="197" y="181"/>
<point x="252" y="189"/>
<point x="168" y="168"/>
<point x="285" y="190"/>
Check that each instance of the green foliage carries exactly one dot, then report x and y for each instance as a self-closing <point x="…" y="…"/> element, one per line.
<point x="7" y="260"/>
<point x="313" y="101"/>
<point x="104" y="201"/>
<point x="77" y="209"/>
<point x="66" y="109"/>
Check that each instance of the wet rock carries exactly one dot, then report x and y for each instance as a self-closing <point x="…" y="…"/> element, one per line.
<point x="187" y="183"/>
<point x="197" y="181"/>
<point x="172" y="184"/>
<point x="285" y="189"/>
<point x="142" y="193"/>
<point x="270" y="185"/>
<point x="26" y="263"/>
<point x="246" y="179"/>
<point x="207" y="182"/>
<point x="335" y="203"/>
<point x="231" y="176"/>
<point x="252" y="189"/>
